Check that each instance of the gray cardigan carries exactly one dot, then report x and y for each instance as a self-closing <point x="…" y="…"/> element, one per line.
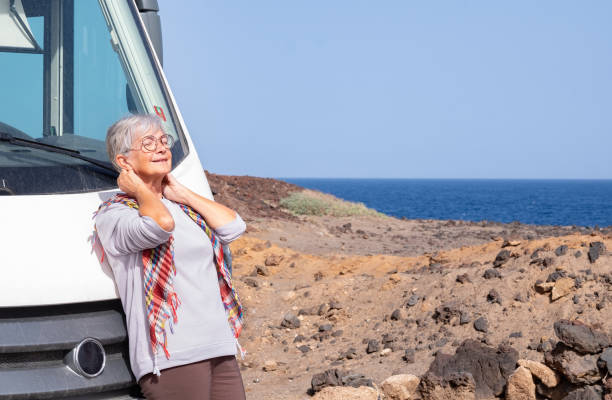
<point x="202" y="331"/>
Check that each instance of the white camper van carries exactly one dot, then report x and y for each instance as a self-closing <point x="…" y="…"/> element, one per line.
<point x="68" y="69"/>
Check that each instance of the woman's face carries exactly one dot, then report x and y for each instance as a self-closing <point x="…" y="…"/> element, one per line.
<point x="149" y="163"/>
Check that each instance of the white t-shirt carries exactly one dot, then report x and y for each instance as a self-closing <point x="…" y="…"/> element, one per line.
<point x="202" y="330"/>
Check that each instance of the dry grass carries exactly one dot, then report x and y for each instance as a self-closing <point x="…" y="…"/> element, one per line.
<point x="310" y="202"/>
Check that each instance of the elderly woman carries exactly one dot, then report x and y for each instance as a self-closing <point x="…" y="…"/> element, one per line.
<point x="164" y="244"/>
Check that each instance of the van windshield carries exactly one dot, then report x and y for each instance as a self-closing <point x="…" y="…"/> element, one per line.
<point x="68" y="70"/>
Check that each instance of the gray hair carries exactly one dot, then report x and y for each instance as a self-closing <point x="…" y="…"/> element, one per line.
<point x="120" y="135"/>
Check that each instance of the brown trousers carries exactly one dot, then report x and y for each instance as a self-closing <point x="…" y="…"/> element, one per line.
<point x="214" y="379"/>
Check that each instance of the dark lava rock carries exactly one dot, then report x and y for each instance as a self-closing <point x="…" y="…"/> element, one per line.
<point x="331" y="377"/>
<point x="546" y="346"/>
<point x="489" y="367"/>
<point x="555" y="393"/>
<point x="555" y="276"/>
<point x="542" y="262"/>
<point x="447" y="312"/>
<point x="412" y="300"/>
<point x="356" y="380"/>
<point x="501" y="258"/>
<point x="581" y="337"/>
<point x="595" y="250"/>
<point x="409" y="355"/>
<point x="491" y="273"/>
<point x="457" y="385"/>
<point x="397" y="315"/>
<point x="481" y="325"/>
<point x="304" y="348"/>
<point x="250" y="282"/>
<point x="494" y="297"/>
<point x="585" y="393"/>
<point x="463" y="278"/>
<point x="561" y="251"/>
<point x="335" y="377"/>
<point x="290" y="320"/>
<point x="464" y="318"/>
<point x="606" y="358"/>
<point x="578" y="254"/>
<point x="350" y="354"/>
<point x="261" y="270"/>
<point x="325" y="327"/>
<point x="373" y="346"/>
<point x="577" y="368"/>
<point x="518" y="334"/>
<point x="299" y="338"/>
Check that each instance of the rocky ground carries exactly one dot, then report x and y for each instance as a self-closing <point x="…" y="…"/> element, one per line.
<point x="458" y="305"/>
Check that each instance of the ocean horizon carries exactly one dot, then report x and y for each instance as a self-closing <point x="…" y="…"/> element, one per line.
<point x="567" y="202"/>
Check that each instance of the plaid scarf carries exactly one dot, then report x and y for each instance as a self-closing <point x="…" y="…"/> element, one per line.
<point x="158" y="273"/>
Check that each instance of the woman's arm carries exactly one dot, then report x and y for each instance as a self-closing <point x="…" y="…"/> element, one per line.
<point x="215" y="214"/>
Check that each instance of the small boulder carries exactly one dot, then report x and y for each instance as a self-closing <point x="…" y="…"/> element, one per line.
<point x="606" y="358"/>
<point x="481" y="325"/>
<point x="546" y="375"/>
<point x="290" y="320"/>
<point x="488" y="367"/>
<point x="400" y="387"/>
<point x="456" y="386"/>
<point x="595" y="250"/>
<point x="373" y="346"/>
<point x="520" y="385"/>
<point x="562" y="287"/>
<point x="491" y="273"/>
<point x="398" y="315"/>
<point x="581" y="337"/>
<point x="501" y="258"/>
<point x="561" y="250"/>
<point x="544" y="287"/>
<point x="578" y="369"/>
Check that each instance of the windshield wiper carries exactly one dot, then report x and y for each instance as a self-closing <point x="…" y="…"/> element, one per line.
<point x="7" y="137"/>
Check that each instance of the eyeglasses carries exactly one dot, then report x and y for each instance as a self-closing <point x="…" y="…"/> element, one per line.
<point x="149" y="143"/>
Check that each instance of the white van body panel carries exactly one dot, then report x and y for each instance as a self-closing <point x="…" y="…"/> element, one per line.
<point x="46" y="244"/>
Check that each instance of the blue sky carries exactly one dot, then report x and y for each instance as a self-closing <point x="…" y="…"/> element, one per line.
<point x="395" y="89"/>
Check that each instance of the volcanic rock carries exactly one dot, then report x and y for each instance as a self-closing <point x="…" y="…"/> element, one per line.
<point x="491" y="273"/>
<point x="488" y="367"/>
<point x="606" y="358"/>
<point x="447" y="312"/>
<point x="290" y="320"/>
<point x="373" y="346"/>
<point x="494" y="297"/>
<point x="581" y="337"/>
<point x="481" y="325"/>
<point x="578" y="369"/>
<point x="585" y="393"/>
<point x="501" y="258"/>
<point x="561" y="250"/>
<point x="456" y="386"/>
<point x="595" y="250"/>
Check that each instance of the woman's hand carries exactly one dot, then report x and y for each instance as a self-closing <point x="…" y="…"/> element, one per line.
<point x="129" y="182"/>
<point x="173" y="190"/>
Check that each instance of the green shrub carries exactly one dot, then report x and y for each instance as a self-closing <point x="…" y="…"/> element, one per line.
<point x="309" y="202"/>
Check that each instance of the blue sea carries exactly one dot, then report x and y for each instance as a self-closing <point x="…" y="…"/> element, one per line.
<point x="541" y="202"/>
